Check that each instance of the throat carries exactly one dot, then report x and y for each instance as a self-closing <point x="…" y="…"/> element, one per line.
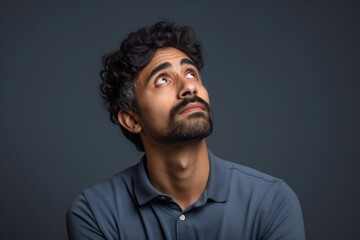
<point x="182" y="176"/>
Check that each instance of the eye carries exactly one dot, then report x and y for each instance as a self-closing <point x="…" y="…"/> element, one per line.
<point x="190" y="75"/>
<point x="161" y="81"/>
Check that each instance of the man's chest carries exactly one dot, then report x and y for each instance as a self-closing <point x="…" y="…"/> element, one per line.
<point x="165" y="221"/>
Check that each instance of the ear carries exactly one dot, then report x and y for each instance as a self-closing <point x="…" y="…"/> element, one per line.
<point x="128" y="119"/>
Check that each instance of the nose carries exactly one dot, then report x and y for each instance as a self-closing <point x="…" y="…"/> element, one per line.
<point x="187" y="88"/>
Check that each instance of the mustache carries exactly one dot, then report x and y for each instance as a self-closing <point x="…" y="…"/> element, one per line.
<point x="186" y="101"/>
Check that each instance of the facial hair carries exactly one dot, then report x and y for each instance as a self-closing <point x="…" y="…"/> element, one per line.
<point x="195" y="126"/>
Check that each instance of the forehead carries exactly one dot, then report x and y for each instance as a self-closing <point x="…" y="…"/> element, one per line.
<point x="169" y="55"/>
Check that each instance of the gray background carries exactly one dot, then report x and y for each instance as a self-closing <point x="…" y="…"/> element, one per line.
<point x="283" y="78"/>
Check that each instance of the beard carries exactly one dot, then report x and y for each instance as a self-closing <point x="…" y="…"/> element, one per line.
<point x="195" y="126"/>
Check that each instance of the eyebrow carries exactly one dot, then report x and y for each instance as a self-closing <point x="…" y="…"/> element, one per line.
<point x="184" y="61"/>
<point x="158" y="69"/>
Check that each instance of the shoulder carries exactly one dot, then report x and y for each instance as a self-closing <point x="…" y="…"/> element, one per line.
<point x="250" y="173"/>
<point x="246" y="181"/>
<point x="95" y="211"/>
<point x="238" y="172"/>
<point x="268" y="199"/>
<point x="105" y="193"/>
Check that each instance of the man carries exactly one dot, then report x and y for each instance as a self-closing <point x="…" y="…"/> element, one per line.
<point x="179" y="190"/>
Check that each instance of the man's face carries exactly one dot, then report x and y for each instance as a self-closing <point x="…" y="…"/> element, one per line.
<point x="174" y="104"/>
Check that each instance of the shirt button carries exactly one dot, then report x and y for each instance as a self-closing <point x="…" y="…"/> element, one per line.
<point x="182" y="217"/>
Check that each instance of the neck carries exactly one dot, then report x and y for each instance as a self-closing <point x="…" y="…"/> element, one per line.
<point x="180" y="170"/>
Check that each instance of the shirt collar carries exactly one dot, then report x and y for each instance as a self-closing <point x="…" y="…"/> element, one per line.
<point x="217" y="188"/>
<point x="144" y="190"/>
<point x="218" y="185"/>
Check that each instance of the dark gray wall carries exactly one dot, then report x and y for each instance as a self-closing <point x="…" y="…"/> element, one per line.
<point x="283" y="77"/>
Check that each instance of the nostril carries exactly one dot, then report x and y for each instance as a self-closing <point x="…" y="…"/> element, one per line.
<point x="186" y="93"/>
<point x="189" y="92"/>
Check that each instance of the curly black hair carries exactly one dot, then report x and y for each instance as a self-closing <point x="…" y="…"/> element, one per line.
<point x="120" y="68"/>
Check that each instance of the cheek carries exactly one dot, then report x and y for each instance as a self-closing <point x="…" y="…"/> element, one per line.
<point x="203" y="93"/>
<point x="155" y="110"/>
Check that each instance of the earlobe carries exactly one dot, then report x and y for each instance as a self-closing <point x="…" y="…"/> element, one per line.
<point x="128" y="120"/>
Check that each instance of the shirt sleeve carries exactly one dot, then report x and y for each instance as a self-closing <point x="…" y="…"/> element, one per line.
<point x="285" y="220"/>
<point x="80" y="222"/>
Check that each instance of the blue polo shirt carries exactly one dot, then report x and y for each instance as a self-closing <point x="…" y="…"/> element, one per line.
<point x="238" y="203"/>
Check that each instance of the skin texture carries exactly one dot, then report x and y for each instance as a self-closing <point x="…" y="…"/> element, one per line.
<point x="178" y="168"/>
